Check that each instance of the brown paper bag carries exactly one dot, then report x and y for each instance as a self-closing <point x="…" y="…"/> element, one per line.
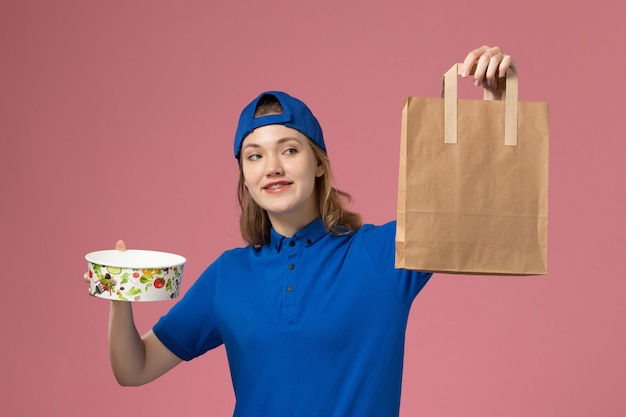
<point x="473" y="184"/>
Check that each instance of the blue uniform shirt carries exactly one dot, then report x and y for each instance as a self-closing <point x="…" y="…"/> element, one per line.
<point x="313" y="325"/>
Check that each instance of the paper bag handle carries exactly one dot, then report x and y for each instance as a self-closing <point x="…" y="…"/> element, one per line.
<point x="450" y="95"/>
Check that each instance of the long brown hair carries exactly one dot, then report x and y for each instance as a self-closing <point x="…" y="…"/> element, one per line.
<point x="254" y="222"/>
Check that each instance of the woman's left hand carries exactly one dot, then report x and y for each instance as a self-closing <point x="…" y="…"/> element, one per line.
<point x="491" y="64"/>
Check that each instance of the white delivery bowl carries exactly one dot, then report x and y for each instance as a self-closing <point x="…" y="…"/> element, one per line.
<point x="134" y="275"/>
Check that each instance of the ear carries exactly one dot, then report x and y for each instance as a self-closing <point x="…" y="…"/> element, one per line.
<point x="319" y="170"/>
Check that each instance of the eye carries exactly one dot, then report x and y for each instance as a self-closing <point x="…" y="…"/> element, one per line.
<point x="253" y="157"/>
<point x="291" y="151"/>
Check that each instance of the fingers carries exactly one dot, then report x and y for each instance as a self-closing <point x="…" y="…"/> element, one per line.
<point x="87" y="278"/>
<point x="471" y="59"/>
<point x="490" y="62"/>
<point x="505" y="64"/>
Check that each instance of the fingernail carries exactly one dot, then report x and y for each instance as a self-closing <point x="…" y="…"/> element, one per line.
<point x="476" y="83"/>
<point x="464" y="73"/>
<point x="489" y="82"/>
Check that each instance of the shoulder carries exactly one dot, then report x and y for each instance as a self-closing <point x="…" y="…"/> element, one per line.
<point x="378" y="241"/>
<point x="241" y="259"/>
<point x="245" y="252"/>
<point x="378" y="232"/>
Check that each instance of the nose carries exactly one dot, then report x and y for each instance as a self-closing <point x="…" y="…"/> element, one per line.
<point x="273" y="166"/>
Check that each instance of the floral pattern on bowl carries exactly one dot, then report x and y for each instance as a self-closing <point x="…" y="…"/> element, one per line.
<point x="134" y="284"/>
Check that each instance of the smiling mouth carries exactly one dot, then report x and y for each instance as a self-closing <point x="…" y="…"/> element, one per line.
<point x="276" y="186"/>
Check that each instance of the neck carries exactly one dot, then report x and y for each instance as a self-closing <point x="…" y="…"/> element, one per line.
<point x="288" y="225"/>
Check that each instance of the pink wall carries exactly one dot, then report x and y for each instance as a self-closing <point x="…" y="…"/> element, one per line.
<point x="116" y="121"/>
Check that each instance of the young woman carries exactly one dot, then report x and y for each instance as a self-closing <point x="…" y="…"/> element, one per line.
<point x="312" y="311"/>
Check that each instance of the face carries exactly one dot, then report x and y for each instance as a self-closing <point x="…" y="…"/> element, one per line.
<point x="279" y="169"/>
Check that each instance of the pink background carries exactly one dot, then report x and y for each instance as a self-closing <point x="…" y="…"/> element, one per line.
<point x="116" y="121"/>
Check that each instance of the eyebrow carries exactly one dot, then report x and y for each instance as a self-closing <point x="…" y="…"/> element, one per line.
<point x="280" y="142"/>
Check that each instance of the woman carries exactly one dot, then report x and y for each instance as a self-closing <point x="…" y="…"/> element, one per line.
<point x="312" y="312"/>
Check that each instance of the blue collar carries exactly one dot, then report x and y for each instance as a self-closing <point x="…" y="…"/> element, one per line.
<point x="308" y="235"/>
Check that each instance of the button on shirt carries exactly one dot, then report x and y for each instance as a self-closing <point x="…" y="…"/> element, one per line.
<point x="313" y="324"/>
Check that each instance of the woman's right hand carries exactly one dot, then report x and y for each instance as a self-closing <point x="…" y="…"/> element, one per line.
<point x="135" y="359"/>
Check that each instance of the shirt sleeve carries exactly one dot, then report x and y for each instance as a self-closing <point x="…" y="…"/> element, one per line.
<point x="189" y="329"/>
<point x="380" y="244"/>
